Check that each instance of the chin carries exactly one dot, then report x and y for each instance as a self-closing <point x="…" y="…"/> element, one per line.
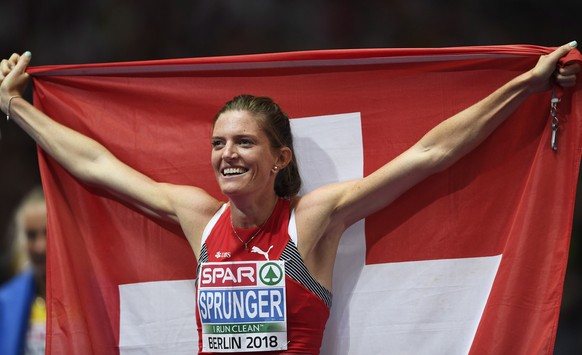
<point x="229" y="191"/>
<point x="232" y="186"/>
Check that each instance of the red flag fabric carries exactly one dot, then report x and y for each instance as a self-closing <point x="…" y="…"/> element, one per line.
<point x="472" y="260"/>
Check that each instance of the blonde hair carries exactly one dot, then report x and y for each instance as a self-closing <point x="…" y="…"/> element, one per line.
<point x="20" y="258"/>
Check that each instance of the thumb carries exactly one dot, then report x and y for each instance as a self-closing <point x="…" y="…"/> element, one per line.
<point x="23" y="62"/>
<point x="15" y="82"/>
<point x="562" y="51"/>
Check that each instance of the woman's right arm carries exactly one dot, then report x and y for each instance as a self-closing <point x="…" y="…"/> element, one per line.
<point x="91" y="162"/>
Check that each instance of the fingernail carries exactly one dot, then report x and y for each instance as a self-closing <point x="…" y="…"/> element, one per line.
<point x="573" y="44"/>
<point x="27" y="53"/>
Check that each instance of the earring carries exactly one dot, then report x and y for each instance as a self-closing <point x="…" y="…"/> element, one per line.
<point x="275" y="168"/>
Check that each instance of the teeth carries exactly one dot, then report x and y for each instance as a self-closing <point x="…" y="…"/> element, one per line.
<point x="233" y="171"/>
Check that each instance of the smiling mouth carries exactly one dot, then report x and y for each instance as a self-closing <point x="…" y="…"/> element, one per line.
<point x="233" y="171"/>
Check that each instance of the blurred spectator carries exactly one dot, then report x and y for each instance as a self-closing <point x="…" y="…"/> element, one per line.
<point x="22" y="297"/>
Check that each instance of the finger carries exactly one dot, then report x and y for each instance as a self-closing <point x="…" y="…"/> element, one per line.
<point x="4" y="67"/>
<point x="23" y="62"/>
<point x="13" y="60"/>
<point x="8" y="64"/>
<point x="566" y="80"/>
<point x="562" y="51"/>
<point x="567" y="83"/>
<point x="569" y="69"/>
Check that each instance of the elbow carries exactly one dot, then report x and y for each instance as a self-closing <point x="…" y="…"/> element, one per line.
<point x="87" y="174"/>
<point x="89" y="170"/>
<point x="447" y="159"/>
<point x="438" y="159"/>
<point x="441" y="162"/>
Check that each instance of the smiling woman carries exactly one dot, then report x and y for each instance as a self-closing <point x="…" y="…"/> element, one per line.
<point x="275" y="124"/>
<point x="264" y="225"/>
<point x="243" y="157"/>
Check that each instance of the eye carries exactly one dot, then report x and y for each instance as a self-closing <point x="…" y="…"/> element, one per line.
<point x="246" y="142"/>
<point x="31" y="234"/>
<point x="217" y="143"/>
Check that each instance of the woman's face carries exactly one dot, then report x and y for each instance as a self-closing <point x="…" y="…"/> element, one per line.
<point x="34" y="223"/>
<point x="242" y="156"/>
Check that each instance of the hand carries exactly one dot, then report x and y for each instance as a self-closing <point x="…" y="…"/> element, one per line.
<point x="13" y="77"/>
<point x="547" y="67"/>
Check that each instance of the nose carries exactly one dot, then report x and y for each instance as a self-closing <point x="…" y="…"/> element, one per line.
<point x="37" y="242"/>
<point x="39" y="246"/>
<point x="229" y="152"/>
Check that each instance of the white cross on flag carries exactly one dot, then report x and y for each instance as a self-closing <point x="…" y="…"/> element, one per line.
<point x="471" y="260"/>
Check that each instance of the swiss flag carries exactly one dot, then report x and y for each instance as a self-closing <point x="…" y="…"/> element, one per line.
<point x="471" y="260"/>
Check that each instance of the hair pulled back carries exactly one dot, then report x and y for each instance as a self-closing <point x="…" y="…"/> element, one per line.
<point x="275" y="124"/>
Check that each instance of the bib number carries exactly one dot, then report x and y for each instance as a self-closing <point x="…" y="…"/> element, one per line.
<point x="242" y="306"/>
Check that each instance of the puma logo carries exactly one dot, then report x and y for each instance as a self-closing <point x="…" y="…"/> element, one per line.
<point x="264" y="253"/>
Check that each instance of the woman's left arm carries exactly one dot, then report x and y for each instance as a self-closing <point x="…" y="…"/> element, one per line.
<point x="446" y="143"/>
<point x="460" y="134"/>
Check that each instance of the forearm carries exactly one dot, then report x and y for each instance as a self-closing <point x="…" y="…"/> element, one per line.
<point x="91" y="163"/>
<point x="437" y="150"/>
<point x="74" y="151"/>
<point x="458" y="135"/>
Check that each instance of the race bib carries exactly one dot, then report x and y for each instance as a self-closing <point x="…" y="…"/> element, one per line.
<point x="243" y="306"/>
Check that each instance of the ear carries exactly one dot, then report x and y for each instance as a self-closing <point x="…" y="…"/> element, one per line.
<point x="284" y="158"/>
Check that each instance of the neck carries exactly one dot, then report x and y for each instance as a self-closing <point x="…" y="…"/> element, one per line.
<point x="252" y="213"/>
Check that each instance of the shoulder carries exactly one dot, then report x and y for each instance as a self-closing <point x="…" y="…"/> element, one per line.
<point x="192" y="197"/>
<point x="318" y="233"/>
<point x="322" y="204"/>
<point x="317" y="215"/>
<point x="194" y="209"/>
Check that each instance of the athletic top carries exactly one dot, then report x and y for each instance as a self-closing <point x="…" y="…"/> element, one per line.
<point x="307" y="301"/>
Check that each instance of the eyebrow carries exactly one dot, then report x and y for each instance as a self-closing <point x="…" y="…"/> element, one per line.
<point x="238" y="136"/>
